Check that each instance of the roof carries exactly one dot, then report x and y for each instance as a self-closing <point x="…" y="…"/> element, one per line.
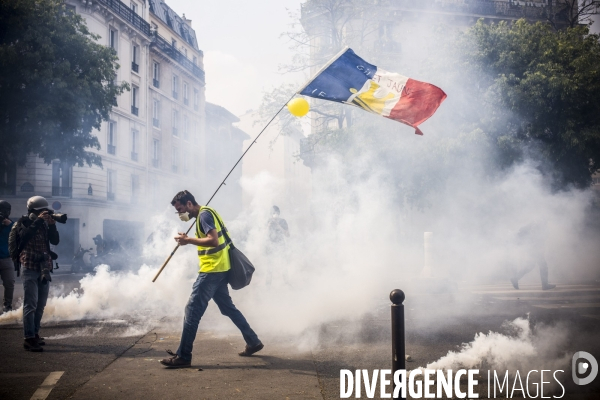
<point x="221" y="111"/>
<point x="174" y="21"/>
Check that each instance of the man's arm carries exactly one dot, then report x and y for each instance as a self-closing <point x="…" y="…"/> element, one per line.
<point x="211" y="239"/>
<point x="53" y="234"/>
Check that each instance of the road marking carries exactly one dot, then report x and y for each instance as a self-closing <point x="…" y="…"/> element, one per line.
<point x="46" y="387"/>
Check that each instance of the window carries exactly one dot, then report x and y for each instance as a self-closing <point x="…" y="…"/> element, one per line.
<point x="134" y="7"/>
<point x="175" y="86"/>
<point x="186" y="127"/>
<point x="174" y="159"/>
<point x="174" y="43"/>
<point x="112" y="137"/>
<point x="196" y="100"/>
<point x="185" y="162"/>
<point x="186" y="96"/>
<point x="195" y="60"/>
<point x="134" y="100"/>
<point x="111" y="184"/>
<point x="175" y="121"/>
<point x="135" y="188"/>
<point x="185" y="52"/>
<point x="156" y="74"/>
<point x="135" y="55"/>
<point x="155" y="152"/>
<point x="113" y="38"/>
<point x="134" y="144"/>
<point x="61" y="179"/>
<point x="156" y="113"/>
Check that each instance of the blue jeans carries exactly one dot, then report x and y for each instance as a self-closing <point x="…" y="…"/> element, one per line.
<point x="36" y="296"/>
<point x="210" y="286"/>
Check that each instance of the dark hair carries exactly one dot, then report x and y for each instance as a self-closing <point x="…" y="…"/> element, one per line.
<point x="183" y="197"/>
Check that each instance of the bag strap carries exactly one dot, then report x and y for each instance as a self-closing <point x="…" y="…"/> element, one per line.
<point x="223" y="228"/>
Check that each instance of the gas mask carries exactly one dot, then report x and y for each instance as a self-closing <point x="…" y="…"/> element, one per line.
<point x="184" y="216"/>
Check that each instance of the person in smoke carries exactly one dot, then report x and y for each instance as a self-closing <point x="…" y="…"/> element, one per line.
<point x="531" y="242"/>
<point x="211" y="282"/>
<point x="278" y="227"/>
<point x="7" y="267"/>
<point x="29" y="245"/>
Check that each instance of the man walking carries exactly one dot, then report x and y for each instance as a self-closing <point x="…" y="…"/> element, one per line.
<point x="30" y="247"/>
<point x="7" y="268"/>
<point x="213" y="252"/>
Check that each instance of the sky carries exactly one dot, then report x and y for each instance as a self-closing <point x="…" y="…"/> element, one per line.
<point x="242" y="47"/>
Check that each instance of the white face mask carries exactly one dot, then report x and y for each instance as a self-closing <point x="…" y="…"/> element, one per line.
<point x="184" y="216"/>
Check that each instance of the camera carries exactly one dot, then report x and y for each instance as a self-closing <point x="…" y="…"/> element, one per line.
<point x="58" y="217"/>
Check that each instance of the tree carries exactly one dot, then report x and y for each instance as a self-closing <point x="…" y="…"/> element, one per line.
<point x="550" y="82"/>
<point x="574" y="12"/>
<point x="56" y="84"/>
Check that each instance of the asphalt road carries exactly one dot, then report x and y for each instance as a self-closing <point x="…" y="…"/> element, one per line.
<point x="97" y="360"/>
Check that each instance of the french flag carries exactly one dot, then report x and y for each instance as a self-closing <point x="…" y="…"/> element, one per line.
<point x="349" y="79"/>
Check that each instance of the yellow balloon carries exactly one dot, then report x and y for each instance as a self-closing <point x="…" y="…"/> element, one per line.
<point x="298" y="107"/>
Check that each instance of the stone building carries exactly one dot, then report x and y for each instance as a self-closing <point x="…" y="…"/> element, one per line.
<point x="152" y="143"/>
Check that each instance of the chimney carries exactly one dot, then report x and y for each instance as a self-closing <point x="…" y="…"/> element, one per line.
<point x="188" y="22"/>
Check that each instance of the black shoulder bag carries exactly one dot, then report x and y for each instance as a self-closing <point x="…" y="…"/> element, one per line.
<point x="242" y="269"/>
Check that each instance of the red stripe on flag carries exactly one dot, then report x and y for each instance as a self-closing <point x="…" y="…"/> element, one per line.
<point x="418" y="102"/>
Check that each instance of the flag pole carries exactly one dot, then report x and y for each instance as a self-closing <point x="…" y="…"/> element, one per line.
<point x="323" y="68"/>
<point x="227" y="176"/>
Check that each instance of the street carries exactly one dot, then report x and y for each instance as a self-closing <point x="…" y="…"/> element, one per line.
<point x="119" y="359"/>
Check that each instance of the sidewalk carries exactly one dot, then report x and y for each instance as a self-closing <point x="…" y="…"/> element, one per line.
<point x="217" y="372"/>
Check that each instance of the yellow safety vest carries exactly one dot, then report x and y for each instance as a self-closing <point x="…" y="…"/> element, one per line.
<point x="213" y="259"/>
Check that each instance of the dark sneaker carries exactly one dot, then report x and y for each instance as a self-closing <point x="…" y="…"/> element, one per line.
<point x="248" y="351"/>
<point x="40" y="340"/>
<point x="32" y="345"/>
<point x="515" y="283"/>
<point x="6" y="309"/>
<point x="548" y="286"/>
<point x="175" y="361"/>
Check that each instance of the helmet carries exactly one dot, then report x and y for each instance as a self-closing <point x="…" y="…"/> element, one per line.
<point x="37" y="203"/>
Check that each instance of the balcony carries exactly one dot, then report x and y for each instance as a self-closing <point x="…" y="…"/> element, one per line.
<point x="134" y="110"/>
<point x="134" y="156"/>
<point x="127" y="14"/>
<point x="156" y="83"/>
<point x="62" y="191"/>
<point x="161" y="44"/>
<point x="135" y="67"/>
<point x="110" y="196"/>
<point x="155" y="123"/>
<point x="155" y="162"/>
<point x="175" y="95"/>
<point x="112" y="149"/>
<point x="175" y="132"/>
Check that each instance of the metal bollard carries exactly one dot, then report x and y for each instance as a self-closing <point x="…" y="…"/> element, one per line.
<point x="398" y="350"/>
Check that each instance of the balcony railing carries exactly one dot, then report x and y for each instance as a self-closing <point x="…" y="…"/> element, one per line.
<point x="161" y="44"/>
<point x="125" y="12"/>
<point x="112" y="149"/>
<point x="134" y="156"/>
<point x="156" y="83"/>
<point x="155" y="123"/>
<point x="110" y="196"/>
<point x="134" y="110"/>
<point x="135" y="67"/>
<point x="62" y="191"/>
<point x="155" y="162"/>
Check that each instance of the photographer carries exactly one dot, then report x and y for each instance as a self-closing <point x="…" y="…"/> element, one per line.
<point x="29" y="244"/>
<point x="7" y="268"/>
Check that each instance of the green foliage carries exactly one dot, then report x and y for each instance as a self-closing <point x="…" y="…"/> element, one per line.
<point x="549" y="81"/>
<point x="56" y="83"/>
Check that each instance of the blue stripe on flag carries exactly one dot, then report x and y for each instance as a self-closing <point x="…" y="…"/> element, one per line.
<point x="347" y="72"/>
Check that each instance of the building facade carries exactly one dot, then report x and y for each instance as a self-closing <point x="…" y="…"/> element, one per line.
<point x="153" y="144"/>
